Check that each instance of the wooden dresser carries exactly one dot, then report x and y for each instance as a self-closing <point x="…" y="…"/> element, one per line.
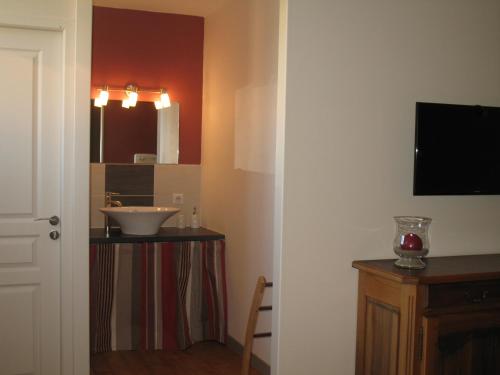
<point x="444" y="319"/>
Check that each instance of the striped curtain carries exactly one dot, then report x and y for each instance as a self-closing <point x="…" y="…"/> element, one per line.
<point x="151" y="296"/>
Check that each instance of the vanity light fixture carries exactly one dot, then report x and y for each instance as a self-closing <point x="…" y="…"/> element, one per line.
<point x="164" y="101"/>
<point x="97" y="102"/>
<point x="103" y="97"/>
<point x="131" y="96"/>
<point x="125" y="103"/>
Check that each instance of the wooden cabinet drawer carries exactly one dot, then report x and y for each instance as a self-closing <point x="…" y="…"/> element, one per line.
<point x="459" y="294"/>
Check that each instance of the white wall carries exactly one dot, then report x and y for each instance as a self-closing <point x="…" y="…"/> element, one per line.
<point x="354" y="72"/>
<point x="32" y="12"/>
<point x="239" y="124"/>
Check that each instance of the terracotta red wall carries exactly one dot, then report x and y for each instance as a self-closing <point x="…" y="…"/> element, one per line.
<point x="153" y="50"/>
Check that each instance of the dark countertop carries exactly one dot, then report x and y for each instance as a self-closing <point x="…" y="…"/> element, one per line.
<point x="438" y="270"/>
<point x="98" y="235"/>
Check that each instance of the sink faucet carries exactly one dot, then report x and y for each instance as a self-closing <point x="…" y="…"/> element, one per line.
<point x="109" y="202"/>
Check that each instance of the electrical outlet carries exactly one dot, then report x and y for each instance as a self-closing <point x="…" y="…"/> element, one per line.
<point x="178" y="198"/>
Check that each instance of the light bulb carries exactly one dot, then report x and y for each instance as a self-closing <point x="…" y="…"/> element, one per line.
<point x="158" y="104"/>
<point x="132" y="98"/>
<point x="98" y="102"/>
<point x="104" y="96"/>
<point x="131" y="92"/>
<point x="125" y="103"/>
<point x="165" y="100"/>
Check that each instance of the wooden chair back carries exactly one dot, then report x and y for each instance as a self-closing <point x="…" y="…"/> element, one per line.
<point x="253" y="316"/>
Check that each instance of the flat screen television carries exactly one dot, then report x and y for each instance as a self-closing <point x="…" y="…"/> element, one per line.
<point x="457" y="150"/>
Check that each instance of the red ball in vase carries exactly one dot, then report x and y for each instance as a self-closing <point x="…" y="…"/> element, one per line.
<point x="411" y="241"/>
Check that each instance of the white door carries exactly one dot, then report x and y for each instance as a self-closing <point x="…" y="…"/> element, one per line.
<point x="31" y="109"/>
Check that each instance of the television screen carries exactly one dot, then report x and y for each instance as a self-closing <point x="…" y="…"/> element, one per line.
<point x="457" y="150"/>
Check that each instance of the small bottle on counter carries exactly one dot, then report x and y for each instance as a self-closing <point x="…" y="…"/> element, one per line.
<point x="194" y="219"/>
<point x="181" y="222"/>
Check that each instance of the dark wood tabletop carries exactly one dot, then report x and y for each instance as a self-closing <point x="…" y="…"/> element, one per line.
<point x="438" y="270"/>
<point x="98" y="235"/>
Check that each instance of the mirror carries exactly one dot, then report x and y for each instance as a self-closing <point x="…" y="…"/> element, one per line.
<point x="138" y="135"/>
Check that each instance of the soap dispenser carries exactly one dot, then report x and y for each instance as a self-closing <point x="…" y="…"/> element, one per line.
<point x="194" y="219"/>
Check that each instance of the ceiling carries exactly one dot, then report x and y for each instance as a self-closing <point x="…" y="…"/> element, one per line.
<point x="200" y="8"/>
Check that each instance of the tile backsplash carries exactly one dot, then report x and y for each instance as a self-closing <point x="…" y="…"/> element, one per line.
<point x="145" y="185"/>
<point x="134" y="183"/>
<point x="130" y="179"/>
<point x="182" y="178"/>
<point x="97" y="189"/>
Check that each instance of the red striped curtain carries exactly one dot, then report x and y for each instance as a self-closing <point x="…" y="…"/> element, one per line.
<point x="151" y="296"/>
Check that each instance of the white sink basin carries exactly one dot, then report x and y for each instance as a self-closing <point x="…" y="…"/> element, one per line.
<point x="140" y="220"/>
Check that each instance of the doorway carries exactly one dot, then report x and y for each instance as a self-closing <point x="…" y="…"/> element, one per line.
<point x="237" y="171"/>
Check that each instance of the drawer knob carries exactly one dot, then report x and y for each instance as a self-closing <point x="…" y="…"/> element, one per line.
<point x="479" y="299"/>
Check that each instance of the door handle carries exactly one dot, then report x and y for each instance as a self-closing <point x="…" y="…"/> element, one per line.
<point x="53" y="220"/>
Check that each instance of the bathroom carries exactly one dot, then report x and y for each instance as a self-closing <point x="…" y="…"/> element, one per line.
<point x="218" y="64"/>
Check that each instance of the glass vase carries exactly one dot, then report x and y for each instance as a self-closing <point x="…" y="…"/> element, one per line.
<point x="411" y="242"/>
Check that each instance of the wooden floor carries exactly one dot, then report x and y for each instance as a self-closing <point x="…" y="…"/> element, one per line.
<point x="200" y="359"/>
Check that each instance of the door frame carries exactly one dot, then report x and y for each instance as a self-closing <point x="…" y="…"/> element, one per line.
<point x="76" y="195"/>
<point x="279" y="178"/>
<point x="74" y="22"/>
